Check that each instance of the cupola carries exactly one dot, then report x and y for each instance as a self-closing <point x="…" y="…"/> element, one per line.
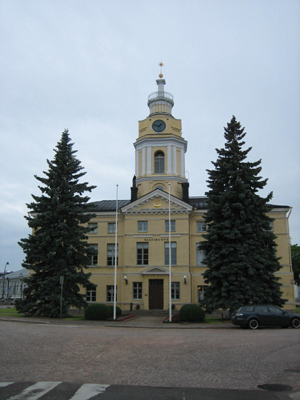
<point x="160" y="102"/>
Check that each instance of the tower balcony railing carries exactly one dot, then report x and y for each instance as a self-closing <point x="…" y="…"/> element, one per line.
<point x="161" y="96"/>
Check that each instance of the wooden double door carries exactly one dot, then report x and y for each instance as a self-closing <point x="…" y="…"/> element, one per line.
<point x="156" y="294"/>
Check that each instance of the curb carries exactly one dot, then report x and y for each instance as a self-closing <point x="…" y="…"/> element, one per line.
<point x="130" y="321"/>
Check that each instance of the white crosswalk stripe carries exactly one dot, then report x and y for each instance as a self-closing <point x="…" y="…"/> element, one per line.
<point x="4" y="384"/>
<point x="89" y="390"/>
<point x="34" y="392"/>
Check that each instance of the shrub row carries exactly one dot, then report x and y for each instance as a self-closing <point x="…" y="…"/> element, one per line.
<point x="191" y="313"/>
<point x="100" y="312"/>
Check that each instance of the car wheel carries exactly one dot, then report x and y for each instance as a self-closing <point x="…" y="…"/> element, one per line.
<point x="253" y="323"/>
<point x="295" y="323"/>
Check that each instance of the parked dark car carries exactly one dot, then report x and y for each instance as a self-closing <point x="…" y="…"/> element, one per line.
<point x="254" y="316"/>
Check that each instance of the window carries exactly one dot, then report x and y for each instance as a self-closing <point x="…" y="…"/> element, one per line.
<point x="142" y="253"/>
<point x="201" y="292"/>
<point x="201" y="226"/>
<point x="262" y="309"/>
<point x="90" y="294"/>
<point x="111" y="254"/>
<point x="142" y="226"/>
<point x="93" y="253"/>
<point x="111" y="227"/>
<point x="275" y="310"/>
<point x="159" y="162"/>
<point x="175" y="290"/>
<point x="93" y="228"/>
<point x="110" y="293"/>
<point x="173" y="226"/>
<point x="248" y="309"/>
<point x="173" y="253"/>
<point x="137" y="290"/>
<point x="200" y="255"/>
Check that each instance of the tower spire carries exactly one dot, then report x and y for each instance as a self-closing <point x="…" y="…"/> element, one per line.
<point x="161" y="74"/>
<point x="160" y="102"/>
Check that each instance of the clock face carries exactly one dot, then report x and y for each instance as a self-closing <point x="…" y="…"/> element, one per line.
<point x="158" y="125"/>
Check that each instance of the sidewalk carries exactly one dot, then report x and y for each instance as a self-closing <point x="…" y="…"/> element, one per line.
<point x="148" y="322"/>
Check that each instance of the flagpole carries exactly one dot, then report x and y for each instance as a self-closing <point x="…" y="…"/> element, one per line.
<point x="116" y="255"/>
<point x="170" y="261"/>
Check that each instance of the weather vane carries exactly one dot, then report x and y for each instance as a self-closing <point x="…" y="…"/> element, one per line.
<point x="161" y="65"/>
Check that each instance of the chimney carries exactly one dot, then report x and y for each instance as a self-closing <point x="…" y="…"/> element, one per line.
<point x="134" y="190"/>
<point x="185" y="192"/>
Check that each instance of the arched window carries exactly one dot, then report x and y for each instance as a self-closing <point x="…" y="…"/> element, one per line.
<point x="159" y="162"/>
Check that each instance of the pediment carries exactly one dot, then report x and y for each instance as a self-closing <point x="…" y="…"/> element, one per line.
<point x="157" y="202"/>
<point x="155" y="271"/>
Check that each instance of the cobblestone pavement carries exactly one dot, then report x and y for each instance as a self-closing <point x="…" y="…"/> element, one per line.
<point x="202" y="358"/>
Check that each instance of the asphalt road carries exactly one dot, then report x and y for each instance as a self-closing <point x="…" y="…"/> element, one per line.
<point x="143" y="363"/>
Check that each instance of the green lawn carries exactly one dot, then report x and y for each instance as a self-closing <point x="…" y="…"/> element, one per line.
<point x="10" y="312"/>
<point x="297" y="310"/>
<point x="215" y="320"/>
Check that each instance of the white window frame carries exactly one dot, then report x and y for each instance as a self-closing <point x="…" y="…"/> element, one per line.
<point x="91" y="295"/>
<point x="175" y="290"/>
<point x="137" y="290"/>
<point x="200" y="226"/>
<point x="94" y="258"/>
<point x="173" y="225"/>
<point x="159" y="162"/>
<point x="111" y="254"/>
<point x="173" y="253"/>
<point x="110" y="293"/>
<point x="142" y="251"/>
<point x="142" y="226"/>
<point x="200" y="256"/>
<point x="93" y="228"/>
<point x="111" y="227"/>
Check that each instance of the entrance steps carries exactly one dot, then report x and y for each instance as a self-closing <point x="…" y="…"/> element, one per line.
<point x="150" y="313"/>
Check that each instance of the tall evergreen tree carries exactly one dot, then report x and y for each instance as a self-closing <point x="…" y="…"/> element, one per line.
<point x="240" y="247"/>
<point x="57" y="246"/>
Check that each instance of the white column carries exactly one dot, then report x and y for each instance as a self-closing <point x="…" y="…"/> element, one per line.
<point x="175" y="160"/>
<point x="182" y="162"/>
<point x="143" y="160"/>
<point x="137" y="162"/>
<point x="149" y="160"/>
<point x="169" y="168"/>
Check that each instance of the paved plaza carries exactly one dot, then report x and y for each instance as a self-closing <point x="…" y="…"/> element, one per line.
<point x="145" y="352"/>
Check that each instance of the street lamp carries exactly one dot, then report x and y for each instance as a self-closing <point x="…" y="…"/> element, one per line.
<point x="3" y="291"/>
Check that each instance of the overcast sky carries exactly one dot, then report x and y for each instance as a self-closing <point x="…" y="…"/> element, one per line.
<point x="90" y="65"/>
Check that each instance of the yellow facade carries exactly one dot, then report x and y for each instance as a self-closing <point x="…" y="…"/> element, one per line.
<point x="143" y="223"/>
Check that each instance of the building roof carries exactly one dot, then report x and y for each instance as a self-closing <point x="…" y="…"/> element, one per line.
<point x="199" y="203"/>
<point x="17" y="274"/>
<point x="107" y="205"/>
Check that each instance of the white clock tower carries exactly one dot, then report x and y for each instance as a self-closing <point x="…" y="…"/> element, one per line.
<point x="160" y="148"/>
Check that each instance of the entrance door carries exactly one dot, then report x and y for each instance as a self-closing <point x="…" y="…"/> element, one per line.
<point x="156" y="294"/>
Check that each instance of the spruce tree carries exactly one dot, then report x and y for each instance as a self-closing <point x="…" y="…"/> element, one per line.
<point x="57" y="246"/>
<point x="240" y="249"/>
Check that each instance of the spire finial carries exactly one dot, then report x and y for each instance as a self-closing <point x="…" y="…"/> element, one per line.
<point x="161" y="65"/>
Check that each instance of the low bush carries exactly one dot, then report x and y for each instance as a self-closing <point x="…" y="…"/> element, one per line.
<point x="97" y="312"/>
<point x="118" y="311"/>
<point x="191" y="313"/>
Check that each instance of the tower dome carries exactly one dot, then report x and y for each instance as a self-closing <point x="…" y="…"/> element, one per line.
<point x="160" y="102"/>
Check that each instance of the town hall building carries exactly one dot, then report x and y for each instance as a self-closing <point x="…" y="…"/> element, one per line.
<point x="144" y="247"/>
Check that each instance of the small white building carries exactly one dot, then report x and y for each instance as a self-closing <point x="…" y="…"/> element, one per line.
<point x="12" y="284"/>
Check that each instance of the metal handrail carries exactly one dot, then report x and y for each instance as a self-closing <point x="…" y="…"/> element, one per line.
<point x="160" y="95"/>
